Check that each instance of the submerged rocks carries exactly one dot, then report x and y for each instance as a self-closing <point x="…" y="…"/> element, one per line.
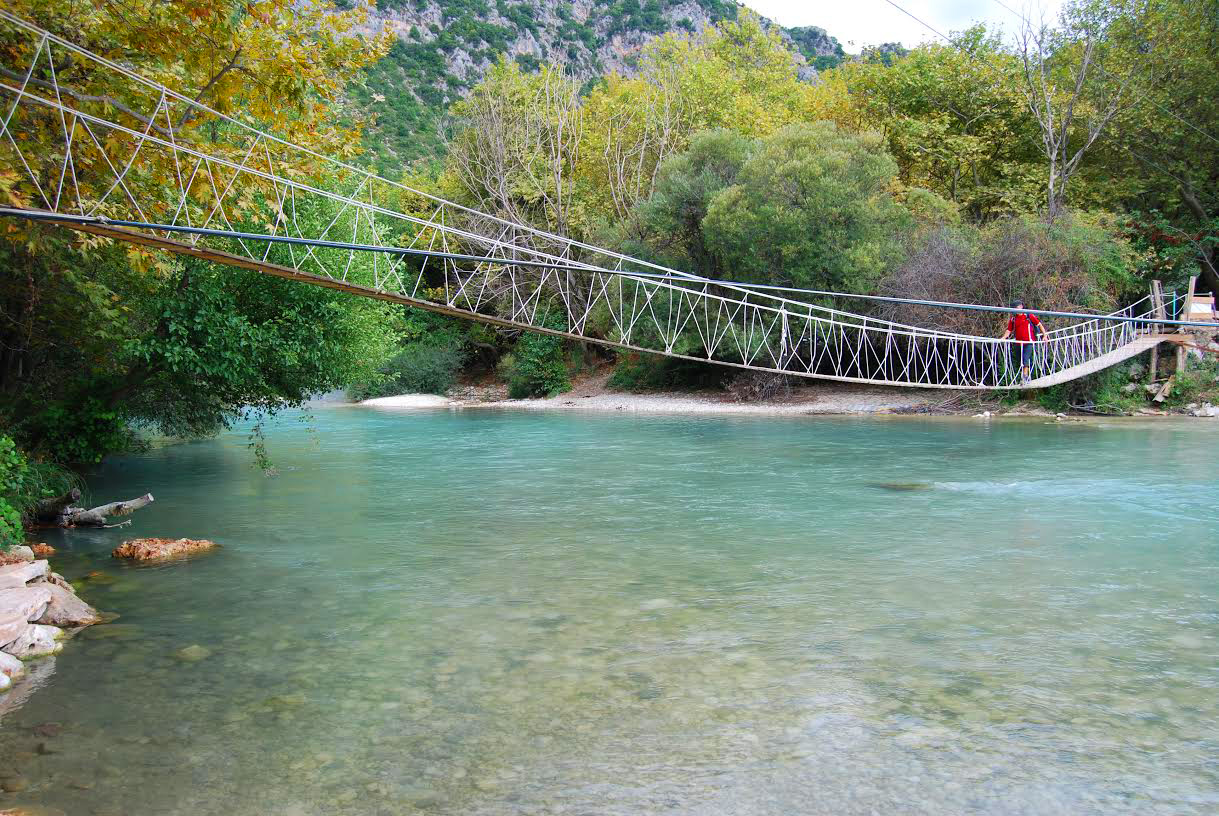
<point x="156" y="549"/>
<point x="193" y="653"/>
<point x="902" y="487"/>
<point x="13" y="782"/>
<point x="35" y="604"/>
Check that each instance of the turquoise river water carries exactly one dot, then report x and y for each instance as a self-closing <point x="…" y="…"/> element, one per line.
<point x="516" y="613"/>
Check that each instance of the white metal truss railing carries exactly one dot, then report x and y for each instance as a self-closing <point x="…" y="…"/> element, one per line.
<point x="86" y="138"/>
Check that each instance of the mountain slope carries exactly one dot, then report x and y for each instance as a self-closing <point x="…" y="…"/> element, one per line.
<point x="444" y="47"/>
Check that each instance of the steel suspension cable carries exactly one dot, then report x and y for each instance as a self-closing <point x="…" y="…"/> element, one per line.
<point x="36" y="215"/>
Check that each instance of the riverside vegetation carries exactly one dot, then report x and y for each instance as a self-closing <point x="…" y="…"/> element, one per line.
<point x="696" y="135"/>
<point x="722" y="145"/>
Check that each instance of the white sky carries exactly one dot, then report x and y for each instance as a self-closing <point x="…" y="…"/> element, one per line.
<point x="857" y="23"/>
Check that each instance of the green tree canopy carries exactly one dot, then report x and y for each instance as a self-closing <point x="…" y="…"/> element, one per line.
<point x="812" y="206"/>
<point x="955" y="120"/>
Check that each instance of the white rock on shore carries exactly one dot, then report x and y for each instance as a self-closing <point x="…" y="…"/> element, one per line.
<point x="410" y="401"/>
<point x="34" y="604"/>
<point x="18" y="553"/>
<point x="65" y="609"/>
<point x="10" y="669"/>
<point x="10" y="666"/>
<point x="28" y="602"/>
<point x="21" y="573"/>
<point x="36" y="641"/>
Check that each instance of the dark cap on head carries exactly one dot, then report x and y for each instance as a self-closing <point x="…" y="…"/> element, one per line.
<point x="1017" y="304"/>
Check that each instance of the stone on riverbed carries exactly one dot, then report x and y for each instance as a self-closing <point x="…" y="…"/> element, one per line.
<point x="21" y="573"/>
<point x="65" y="609"/>
<point x="155" y="549"/>
<point x="13" y="782"/>
<point x="36" y="641"/>
<point x="193" y="653"/>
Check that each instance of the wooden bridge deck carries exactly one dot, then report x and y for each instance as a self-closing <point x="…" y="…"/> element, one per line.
<point x="1131" y="349"/>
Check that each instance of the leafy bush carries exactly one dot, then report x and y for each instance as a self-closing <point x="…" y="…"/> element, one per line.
<point x="536" y="367"/>
<point x="427" y="366"/>
<point x="1103" y="391"/>
<point x="12" y="480"/>
<point x="639" y="373"/>
<point x="1199" y="383"/>
<point x="1079" y="262"/>
<point x="82" y="432"/>
<point x="809" y="205"/>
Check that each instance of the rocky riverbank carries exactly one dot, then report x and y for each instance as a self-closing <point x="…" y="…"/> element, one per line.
<point x="38" y="609"/>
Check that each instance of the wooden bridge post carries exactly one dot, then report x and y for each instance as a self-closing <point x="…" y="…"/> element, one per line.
<point x="1158" y="311"/>
<point x="1186" y="314"/>
<point x="1188" y="310"/>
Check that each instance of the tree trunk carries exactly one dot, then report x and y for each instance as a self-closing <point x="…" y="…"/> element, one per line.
<point x="1210" y="257"/>
<point x="96" y="517"/>
<point x="50" y="510"/>
<point x="1209" y="278"/>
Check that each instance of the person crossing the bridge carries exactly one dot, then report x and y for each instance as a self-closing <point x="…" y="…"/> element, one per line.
<point x="1027" y="329"/>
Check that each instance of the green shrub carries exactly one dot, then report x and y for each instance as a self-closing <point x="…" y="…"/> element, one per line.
<point x="82" y="433"/>
<point x="1102" y="391"/>
<point x="638" y="373"/>
<point x="536" y="367"/>
<point x="13" y="469"/>
<point x="22" y="483"/>
<point x="1199" y="383"/>
<point x="427" y="366"/>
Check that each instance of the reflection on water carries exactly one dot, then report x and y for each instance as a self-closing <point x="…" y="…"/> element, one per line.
<point x="488" y="613"/>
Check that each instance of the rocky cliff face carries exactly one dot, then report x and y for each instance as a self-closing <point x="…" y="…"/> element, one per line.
<point x="590" y="37"/>
<point x="444" y="47"/>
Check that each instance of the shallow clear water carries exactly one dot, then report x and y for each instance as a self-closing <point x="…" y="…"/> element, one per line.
<point x="512" y="613"/>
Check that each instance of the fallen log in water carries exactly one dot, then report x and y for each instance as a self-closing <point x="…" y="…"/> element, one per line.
<point x="96" y="517"/>
<point x="62" y="512"/>
<point x="50" y="510"/>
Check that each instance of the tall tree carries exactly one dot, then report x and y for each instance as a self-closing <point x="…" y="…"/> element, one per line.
<point x="812" y="207"/>
<point x="94" y="336"/>
<point x="1162" y="157"/>
<point x="954" y="118"/>
<point x="519" y="141"/>
<point x="1072" y="97"/>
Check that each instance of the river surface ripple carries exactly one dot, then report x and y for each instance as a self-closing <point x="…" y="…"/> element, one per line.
<point x="512" y="613"/>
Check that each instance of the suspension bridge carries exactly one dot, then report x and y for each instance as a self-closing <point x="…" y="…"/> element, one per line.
<point x="95" y="147"/>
